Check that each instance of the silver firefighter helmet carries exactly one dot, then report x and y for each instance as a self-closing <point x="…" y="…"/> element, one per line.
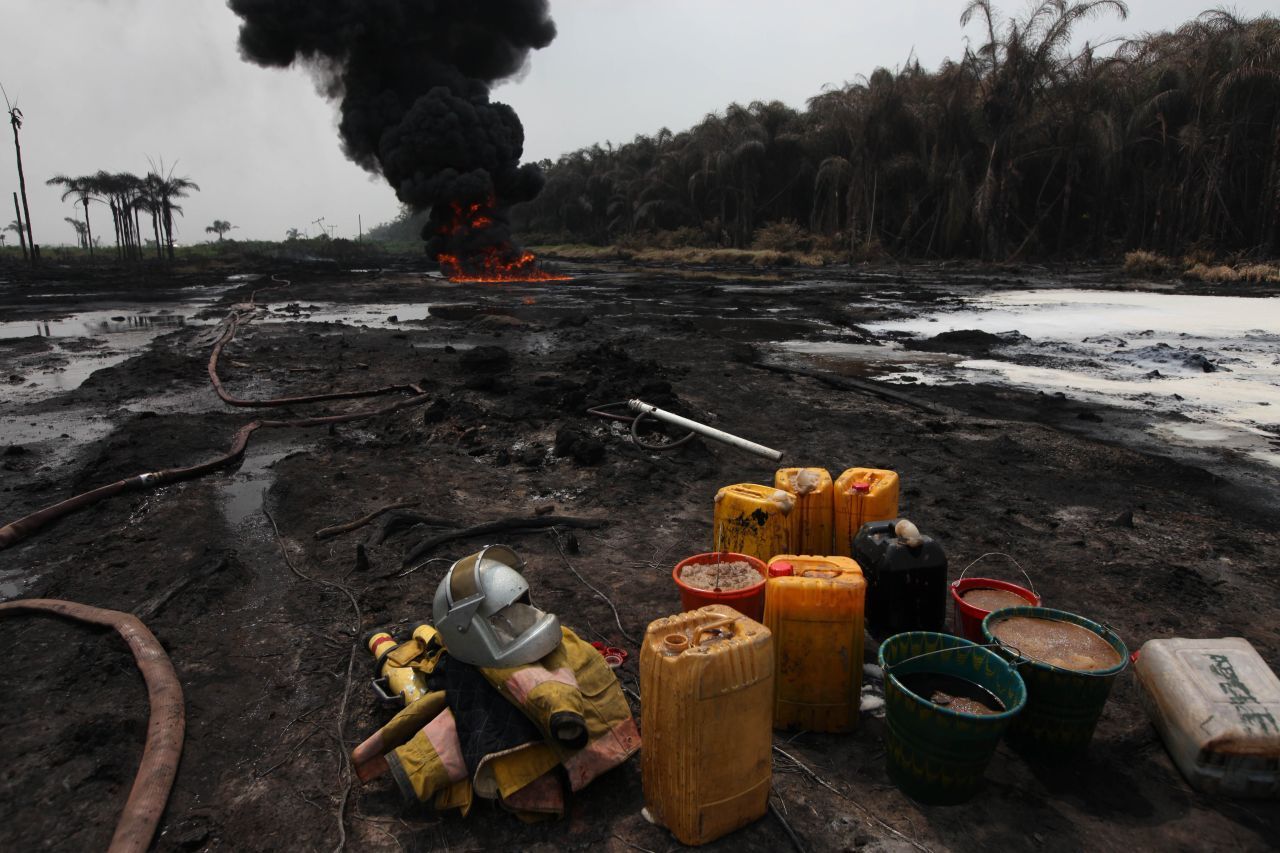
<point x="483" y="614"/>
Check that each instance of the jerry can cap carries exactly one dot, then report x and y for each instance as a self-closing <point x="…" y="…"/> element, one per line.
<point x="781" y="569"/>
<point x="862" y="486"/>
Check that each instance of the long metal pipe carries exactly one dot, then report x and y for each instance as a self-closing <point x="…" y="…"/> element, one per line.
<point x="643" y="408"/>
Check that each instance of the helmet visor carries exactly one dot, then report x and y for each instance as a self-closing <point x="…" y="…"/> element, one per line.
<point x="513" y="622"/>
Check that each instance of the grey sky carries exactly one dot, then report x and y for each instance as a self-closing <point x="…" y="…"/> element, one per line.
<point x="106" y="84"/>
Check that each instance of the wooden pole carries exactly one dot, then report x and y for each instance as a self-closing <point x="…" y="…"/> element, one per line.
<point x="22" y="238"/>
<point x="15" y="119"/>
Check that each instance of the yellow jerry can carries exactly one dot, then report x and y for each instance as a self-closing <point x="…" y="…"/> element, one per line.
<point x="862" y="495"/>
<point x="815" y="614"/>
<point x="753" y="519"/>
<point x="706" y="700"/>
<point x="814" y="513"/>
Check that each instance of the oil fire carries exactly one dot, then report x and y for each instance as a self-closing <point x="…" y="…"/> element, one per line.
<point x="491" y="261"/>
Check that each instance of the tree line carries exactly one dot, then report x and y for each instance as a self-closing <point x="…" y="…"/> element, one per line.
<point x="129" y="198"/>
<point x="1023" y="147"/>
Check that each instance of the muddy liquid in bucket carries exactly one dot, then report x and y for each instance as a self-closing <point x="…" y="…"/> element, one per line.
<point x="953" y="693"/>
<point x="1061" y="644"/>
<point x="988" y="599"/>
<point x="720" y="577"/>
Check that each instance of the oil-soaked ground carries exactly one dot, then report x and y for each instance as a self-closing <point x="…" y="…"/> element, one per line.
<point x="1155" y="541"/>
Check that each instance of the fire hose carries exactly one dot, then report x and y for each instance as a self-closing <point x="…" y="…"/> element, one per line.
<point x="16" y="531"/>
<point x="233" y="325"/>
<point x="165" y="728"/>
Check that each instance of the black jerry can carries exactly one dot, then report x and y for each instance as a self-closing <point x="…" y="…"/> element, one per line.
<point x="906" y="581"/>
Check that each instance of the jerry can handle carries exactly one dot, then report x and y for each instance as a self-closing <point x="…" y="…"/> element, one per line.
<point x="713" y="626"/>
<point x="824" y="574"/>
<point x="1030" y="585"/>
<point x="380" y="686"/>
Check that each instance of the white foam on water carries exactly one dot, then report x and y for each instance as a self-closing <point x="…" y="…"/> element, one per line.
<point x="1140" y="350"/>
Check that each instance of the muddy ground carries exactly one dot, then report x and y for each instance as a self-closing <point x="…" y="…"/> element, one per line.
<point x="1147" y="539"/>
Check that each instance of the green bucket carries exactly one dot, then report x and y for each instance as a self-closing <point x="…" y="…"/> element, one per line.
<point x="1063" y="705"/>
<point x="935" y="755"/>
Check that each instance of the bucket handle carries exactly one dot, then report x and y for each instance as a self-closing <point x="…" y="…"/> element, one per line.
<point x="1015" y="664"/>
<point x="1030" y="585"/>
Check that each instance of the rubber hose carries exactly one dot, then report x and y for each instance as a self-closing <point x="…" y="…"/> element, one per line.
<point x="212" y="368"/>
<point x="20" y="529"/>
<point x="16" y="531"/>
<point x="165" y="728"/>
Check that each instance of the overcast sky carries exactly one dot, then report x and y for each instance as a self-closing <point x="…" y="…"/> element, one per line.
<point x="107" y="84"/>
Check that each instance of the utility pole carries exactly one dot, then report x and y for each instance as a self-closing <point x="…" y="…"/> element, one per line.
<point x="359" y="229"/>
<point x="15" y="119"/>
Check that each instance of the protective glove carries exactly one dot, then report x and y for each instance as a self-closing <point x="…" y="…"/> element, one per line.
<point x="419" y="748"/>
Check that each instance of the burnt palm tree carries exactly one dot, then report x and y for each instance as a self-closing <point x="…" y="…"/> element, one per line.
<point x="15" y="121"/>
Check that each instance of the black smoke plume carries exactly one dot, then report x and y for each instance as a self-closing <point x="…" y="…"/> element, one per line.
<point x="412" y="80"/>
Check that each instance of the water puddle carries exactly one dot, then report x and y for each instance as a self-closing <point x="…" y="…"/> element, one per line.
<point x="382" y="314"/>
<point x="63" y="371"/>
<point x="116" y="321"/>
<point x="64" y="432"/>
<point x="881" y="361"/>
<point x="243" y="491"/>
<point x="1214" y="360"/>
<point x="13" y="582"/>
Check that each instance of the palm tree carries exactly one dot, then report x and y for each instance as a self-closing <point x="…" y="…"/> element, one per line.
<point x="125" y="196"/>
<point x="166" y="187"/>
<point x="16" y="227"/>
<point x="1015" y="68"/>
<point x="83" y="190"/>
<point x="293" y="234"/>
<point x="80" y="230"/>
<point x="220" y="227"/>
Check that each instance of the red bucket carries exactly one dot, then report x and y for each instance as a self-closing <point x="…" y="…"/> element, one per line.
<point x="968" y="618"/>
<point x="748" y="601"/>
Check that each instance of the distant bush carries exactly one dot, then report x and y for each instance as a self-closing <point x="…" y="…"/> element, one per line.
<point x="579" y="252"/>
<point x="785" y="235"/>
<point x="1223" y="274"/>
<point x="1144" y="264"/>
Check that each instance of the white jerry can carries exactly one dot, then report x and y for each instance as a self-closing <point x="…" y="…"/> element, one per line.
<point x="1216" y="703"/>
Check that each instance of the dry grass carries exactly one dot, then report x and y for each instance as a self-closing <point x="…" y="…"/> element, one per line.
<point x="691" y="255"/>
<point x="582" y="252"/>
<point x="758" y="258"/>
<point x="1223" y="274"/>
<point x="1195" y="265"/>
<point x="1144" y="264"/>
<point x="726" y="275"/>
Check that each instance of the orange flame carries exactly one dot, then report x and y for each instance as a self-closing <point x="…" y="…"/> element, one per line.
<point x="491" y="264"/>
<point x="490" y="267"/>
